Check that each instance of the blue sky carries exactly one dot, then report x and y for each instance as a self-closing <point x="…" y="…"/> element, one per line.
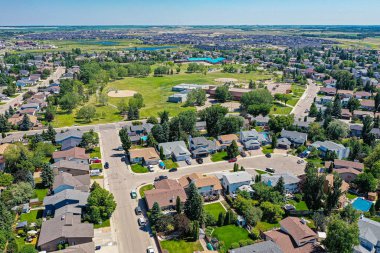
<point x="189" y="12"/>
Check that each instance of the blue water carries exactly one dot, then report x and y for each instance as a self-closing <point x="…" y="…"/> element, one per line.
<point x="102" y="43"/>
<point x="144" y="138"/>
<point x="149" y="48"/>
<point x="265" y="135"/>
<point x="208" y="59"/>
<point x="362" y="204"/>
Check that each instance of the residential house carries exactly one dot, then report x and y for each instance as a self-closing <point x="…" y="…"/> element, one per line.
<point x="362" y="95"/>
<point x="329" y="184"/>
<point x="207" y="185"/>
<point x="283" y="143"/>
<point x="145" y="156"/>
<point x="66" y="201"/>
<point x="72" y="167"/>
<point x="178" y="98"/>
<point x="176" y="150"/>
<point x="296" y="138"/>
<point x="327" y="91"/>
<point x="201" y="126"/>
<point x="325" y="146"/>
<point x="326" y="100"/>
<point x="67" y="135"/>
<point x="356" y="130"/>
<point x="74" y="154"/>
<point x="227" y="139"/>
<point x="376" y="132"/>
<point x="345" y="93"/>
<point x="201" y="147"/>
<point x="35" y="106"/>
<point x="64" y="181"/>
<point x="260" y="120"/>
<point x="367" y="104"/>
<point x="341" y="164"/>
<point x="165" y="194"/>
<point x="17" y="118"/>
<point x="362" y="114"/>
<point x="233" y="180"/>
<point x="66" y="229"/>
<point x="260" y="247"/>
<point x="294" y="236"/>
<point x="252" y="139"/>
<point x="291" y="182"/>
<point x="345" y="114"/>
<point x="347" y="170"/>
<point x="81" y="248"/>
<point x="369" y="236"/>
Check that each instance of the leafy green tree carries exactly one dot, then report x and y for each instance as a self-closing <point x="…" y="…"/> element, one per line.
<point x="26" y="124"/>
<point x="125" y="140"/>
<point x="316" y="132"/>
<point x="89" y="140"/>
<point x="252" y="215"/>
<point x="341" y="236"/>
<point x="213" y="116"/>
<point x="29" y="249"/>
<point x="313" y="190"/>
<point x="187" y="120"/>
<point x="368" y="137"/>
<point x="178" y="205"/>
<point x="233" y="150"/>
<point x="220" y="219"/>
<point x="50" y="134"/>
<point x="47" y="176"/>
<point x="366" y="182"/>
<point x="353" y="104"/>
<point x="69" y="101"/>
<point x="271" y="212"/>
<point x="337" y="130"/>
<point x="274" y="141"/>
<point x="373" y="157"/>
<point x="334" y="193"/>
<point x="4" y="125"/>
<point x="194" y="204"/>
<point x="196" y="97"/>
<point x="228" y="219"/>
<point x="222" y="93"/>
<point x="164" y="116"/>
<point x="152" y="120"/>
<point x="151" y="141"/>
<point x="6" y="179"/>
<point x="122" y="106"/>
<point x="231" y="124"/>
<point x="162" y="155"/>
<point x="102" y="201"/>
<point x="257" y="101"/>
<point x="337" y="107"/>
<point x="87" y="112"/>
<point x="155" y="213"/>
<point x="17" y="194"/>
<point x="195" y="230"/>
<point x="236" y="167"/>
<point x="313" y="110"/>
<point x="280" y="186"/>
<point x="277" y="123"/>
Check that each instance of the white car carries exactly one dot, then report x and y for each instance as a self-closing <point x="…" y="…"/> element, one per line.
<point x="150" y="249"/>
<point x="141" y="221"/>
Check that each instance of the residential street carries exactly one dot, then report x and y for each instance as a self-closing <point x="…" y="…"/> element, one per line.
<point x="306" y="100"/>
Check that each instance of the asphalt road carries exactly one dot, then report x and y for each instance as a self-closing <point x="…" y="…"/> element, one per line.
<point x="306" y="100"/>
<point x="120" y="181"/>
<point x="18" y="100"/>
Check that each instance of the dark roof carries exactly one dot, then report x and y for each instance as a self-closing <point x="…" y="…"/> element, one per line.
<point x="261" y="247"/>
<point x="70" y="143"/>
<point x="68" y="134"/>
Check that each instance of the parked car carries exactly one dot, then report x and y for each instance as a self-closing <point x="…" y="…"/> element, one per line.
<point x="300" y="161"/>
<point x="98" y="247"/>
<point x="173" y="170"/>
<point x="243" y="154"/>
<point x="188" y="161"/>
<point x="160" y="178"/>
<point x="120" y="148"/>
<point x="141" y="221"/>
<point x="138" y="210"/>
<point x="93" y="160"/>
<point x="106" y="165"/>
<point x="150" y="249"/>
<point x="268" y="155"/>
<point x="270" y="170"/>
<point x="199" y="160"/>
<point x="150" y="168"/>
<point x="133" y="194"/>
<point x="232" y="160"/>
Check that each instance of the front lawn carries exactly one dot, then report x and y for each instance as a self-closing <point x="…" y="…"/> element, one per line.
<point x="181" y="246"/>
<point x="278" y="108"/>
<point x="214" y="209"/>
<point x="96" y="166"/>
<point x="316" y="161"/>
<point x="96" y="153"/>
<point x="219" y="156"/>
<point x="267" y="149"/>
<point x="265" y="226"/>
<point x="32" y="216"/>
<point x="145" y="188"/>
<point x="169" y="164"/>
<point x="230" y="234"/>
<point x="104" y="224"/>
<point x="261" y="172"/>
<point x="138" y="168"/>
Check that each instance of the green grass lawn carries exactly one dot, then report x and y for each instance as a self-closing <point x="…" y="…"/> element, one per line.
<point x="40" y="192"/>
<point x="138" y="168"/>
<point x="219" y="156"/>
<point x="181" y="246"/>
<point x="261" y="172"/>
<point x="32" y="216"/>
<point x="230" y="234"/>
<point x="278" y="108"/>
<point x="267" y="149"/>
<point x="96" y="166"/>
<point x="96" y="153"/>
<point x="214" y="209"/>
<point x="170" y="164"/>
<point x="145" y="188"/>
<point x="317" y="161"/>
<point x="104" y="224"/>
<point x="351" y="196"/>
<point x="97" y="177"/>
<point x="293" y="101"/>
<point x="300" y="206"/>
<point x="156" y="90"/>
<point x="265" y="226"/>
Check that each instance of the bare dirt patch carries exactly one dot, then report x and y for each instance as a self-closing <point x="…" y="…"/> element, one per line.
<point x="225" y="80"/>
<point x="121" y="93"/>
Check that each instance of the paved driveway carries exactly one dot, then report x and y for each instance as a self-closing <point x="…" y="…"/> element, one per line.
<point x="306" y="100"/>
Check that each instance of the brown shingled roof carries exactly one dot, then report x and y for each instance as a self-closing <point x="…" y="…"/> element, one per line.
<point x="200" y="181"/>
<point x="297" y="230"/>
<point x="71" y="153"/>
<point x="165" y="194"/>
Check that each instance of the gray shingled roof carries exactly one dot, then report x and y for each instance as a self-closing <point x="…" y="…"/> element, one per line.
<point x="71" y="133"/>
<point x="237" y="177"/>
<point x="261" y="247"/>
<point x="176" y="147"/>
<point x="294" y="136"/>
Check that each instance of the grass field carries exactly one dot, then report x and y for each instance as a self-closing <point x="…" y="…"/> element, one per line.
<point x="96" y="153"/>
<point x="219" y="156"/>
<point x="145" y="188"/>
<point x="170" y="164"/>
<point x="351" y="196"/>
<point x="230" y="234"/>
<point x="96" y="166"/>
<point x="156" y="90"/>
<point x="181" y="246"/>
<point x="104" y="224"/>
<point x="138" y="168"/>
<point x="214" y="209"/>
<point x="265" y="226"/>
<point x="32" y="216"/>
<point x="278" y="108"/>
<point x="267" y="149"/>
<point x="300" y="206"/>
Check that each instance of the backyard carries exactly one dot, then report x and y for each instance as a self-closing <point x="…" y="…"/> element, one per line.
<point x="214" y="209"/>
<point x="32" y="216"/>
<point x="230" y="234"/>
<point x="181" y="246"/>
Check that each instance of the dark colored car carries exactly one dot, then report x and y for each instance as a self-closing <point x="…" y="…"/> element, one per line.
<point x="270" y="170"/>
<point x="232" y="160"/>
<point x="138" y="210"/>
<point x="98" y="247"/>
<point x="243" y="154"/>
<point x="162" y="177"/>
<point x="199" y="160"/>
<point x="268" y="155"/>
<point x="173" y="170"/>
<point x="106" y="165"/>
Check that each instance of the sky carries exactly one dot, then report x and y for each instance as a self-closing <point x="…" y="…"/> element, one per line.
<point x="189" y="12"/>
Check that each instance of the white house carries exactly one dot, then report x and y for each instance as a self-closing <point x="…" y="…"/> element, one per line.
<point x="369" y="236"/>
<point x="233" y="180"/>
<point x="176" y="149"/>
<point x="291" y="182"/>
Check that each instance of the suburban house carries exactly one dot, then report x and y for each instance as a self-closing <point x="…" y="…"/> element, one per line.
<point x="207" y="185"/>
<point x="145" y="156"/>
<point x="74" y="154"/>
<point x="369" y="236"/>
<point x="81" y="248"/>
<point x="376" y="132"/>
<point x="260" y="247"/>
<point x="329" y="91"/>
<point x="283" y="143"/>
<point x="260" y="120"/>
<point x="201" y="147"/>
<point x="178" y="97"/>
<point x="347" y="170"/>
<point x="233" y="180"/>
<point x="291" y="182"/>
<point x="345" y="114"/>
<point x="296" y="138"/>
<point x="67" y="201"/>
<point x="345" y="93"/>
<point x="71" y="134"/>
<point x="367" y="104"/>
<point x="66" y="229"/>
<point x="165" y="194"/>
<point x="329" y="184"/>
<point x="227" y="139"/>
<point x="252" y="139"/>
<point x="176" y="150"/>
<point x="17" y="118"/>
<point x="356" y="130"/>
<point x="35" y="106"/>
<point x="362" y="95"/>
<point x="341" y="164"/>
<point x="64" y="181"/>
<point x="72" y="167"/>
<point x="293" y="236"/>
<point x="325" y="146"/>
<point x="201" y="126"/>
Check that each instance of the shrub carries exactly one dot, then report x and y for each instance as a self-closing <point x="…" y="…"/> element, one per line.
<point x="235" y="245"/>
<point x="243" y="243"/>
<point x="298" y="197"/>
<point x="255" y="233"/>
